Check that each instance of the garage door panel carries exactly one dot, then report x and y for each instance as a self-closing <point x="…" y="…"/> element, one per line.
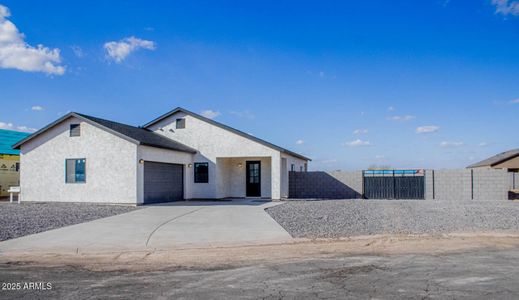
<point x="163" y="182"/>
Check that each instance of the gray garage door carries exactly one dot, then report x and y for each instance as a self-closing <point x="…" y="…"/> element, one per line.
<point x="163" y="182"/>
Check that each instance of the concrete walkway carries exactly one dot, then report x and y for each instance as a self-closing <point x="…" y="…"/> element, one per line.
<point x="161" y="227"/>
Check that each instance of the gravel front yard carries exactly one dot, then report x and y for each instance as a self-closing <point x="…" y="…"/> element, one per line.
<point x="343" y="218"/>
<point x="27" y="218"/>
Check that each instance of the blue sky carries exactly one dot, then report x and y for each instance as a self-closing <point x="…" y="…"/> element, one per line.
<point x="410" y="84"/>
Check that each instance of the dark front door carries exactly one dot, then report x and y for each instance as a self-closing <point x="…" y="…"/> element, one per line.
<point x="253" y="179"/>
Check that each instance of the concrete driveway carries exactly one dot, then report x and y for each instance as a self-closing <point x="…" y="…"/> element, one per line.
<point x="161" y="227"/>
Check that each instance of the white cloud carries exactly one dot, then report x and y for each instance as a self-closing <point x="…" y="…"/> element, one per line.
<point x="446" y="144"/>
<point x="380" y="157"/>
<point x="78" y="52"/>
<point x="243" y="114"/>
<point x="119" y="51"/>
<point x="358" y="143"/>
<point x="391" y="108"/>
<point x="427" y="129"/>
<point x="210" y="114"/>
<point x="360" y="131"/>
<point x="515" y="101"/>
<point x="401" y="118"/>
<point x="483" y="144"/>
<point x="37" y="108"/>
<point x="300" y="142"/>
<point x="15" y="53"/>
<point x="506" y="7"/>
<point x="11" y="126"/>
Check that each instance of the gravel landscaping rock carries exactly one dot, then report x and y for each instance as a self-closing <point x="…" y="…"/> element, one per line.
<point x="344" y="218"/>
<point x="27" y="218"/>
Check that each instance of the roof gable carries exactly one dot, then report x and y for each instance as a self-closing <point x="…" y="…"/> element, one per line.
<point x="496" y="159"/>
<point x="223" y="126"/>
<point x="136" y="135"/>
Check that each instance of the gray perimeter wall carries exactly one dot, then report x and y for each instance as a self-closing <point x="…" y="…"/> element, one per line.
<point x="325" y="185"/>
<point x="466" y="184"/>
<point x="459" y="184"/>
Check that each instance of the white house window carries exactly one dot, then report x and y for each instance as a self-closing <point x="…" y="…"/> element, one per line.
<point x="75" y="130"/>
<point x="300" y="168"/>
<point x="181" y="123"/>
<point x="201" y="172"/>
<point x="292" y="167"/>
<point x="75" y="170"/>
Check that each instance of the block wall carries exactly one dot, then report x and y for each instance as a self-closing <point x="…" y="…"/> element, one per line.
<point x="324" y="185"/>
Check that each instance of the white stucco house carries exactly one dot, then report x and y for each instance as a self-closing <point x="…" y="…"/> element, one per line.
<point x="179" y="155"/>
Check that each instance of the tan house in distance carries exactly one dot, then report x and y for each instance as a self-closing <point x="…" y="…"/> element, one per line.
<point x="508" y="160"/>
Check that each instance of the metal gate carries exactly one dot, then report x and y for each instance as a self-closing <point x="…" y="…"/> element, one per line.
<point x="394" y="184"/>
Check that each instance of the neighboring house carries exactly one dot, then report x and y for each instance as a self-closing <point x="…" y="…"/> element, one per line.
<point x="180" y="155"/>
<point x="9" y="160"/>
<point x="507" y="160"/>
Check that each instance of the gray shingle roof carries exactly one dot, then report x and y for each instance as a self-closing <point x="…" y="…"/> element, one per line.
<point x="134" y="134"/>
<point x="143" y="136"/>
<point x="496" y="159"/>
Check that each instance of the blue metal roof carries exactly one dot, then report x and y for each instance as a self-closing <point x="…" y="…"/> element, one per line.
<point x="8" y="138"/>
<point x="394" y="172"/>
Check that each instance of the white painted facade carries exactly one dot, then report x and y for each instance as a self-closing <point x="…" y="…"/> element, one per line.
<point x="115" y="174"/>
<point x="111" y="164"/>
<point x="227" y="153"/>
<point x="147" y="153"/>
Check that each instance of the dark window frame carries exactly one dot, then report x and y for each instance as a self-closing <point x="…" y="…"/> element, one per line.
<point x="293" y="167"/>
<point x="75" y="130"/>
<point x="201" y="178"/>
<point x="180" y="123"/>
<point x="84" y="175"/>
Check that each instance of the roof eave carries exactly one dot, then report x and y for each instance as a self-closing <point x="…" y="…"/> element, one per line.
<point x="33" y="135"/>
<point x="73" y="114"/>
<point x="192" y="151"/>
<point x="239" y="132"/>
<point x="162" y="117"/>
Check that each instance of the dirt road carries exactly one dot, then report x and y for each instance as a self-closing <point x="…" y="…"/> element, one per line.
<point x="382" y="267"/>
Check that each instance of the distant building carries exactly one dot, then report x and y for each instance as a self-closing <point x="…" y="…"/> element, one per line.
<point x="9" y="160"/>
<point x="507" y="160"/>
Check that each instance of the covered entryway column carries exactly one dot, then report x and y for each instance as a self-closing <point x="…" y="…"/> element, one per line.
<point x="275" y="174"/>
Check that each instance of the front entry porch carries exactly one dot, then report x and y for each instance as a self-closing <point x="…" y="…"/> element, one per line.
<point x="239" y="177"/>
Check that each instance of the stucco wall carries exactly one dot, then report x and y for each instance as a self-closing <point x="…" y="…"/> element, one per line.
<point x="111" y="172"/>
<point x="509" y="164"/>
<point x="231" y="179"/>
<point x="165" y="156"/>
<point x="214" y="142"/>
